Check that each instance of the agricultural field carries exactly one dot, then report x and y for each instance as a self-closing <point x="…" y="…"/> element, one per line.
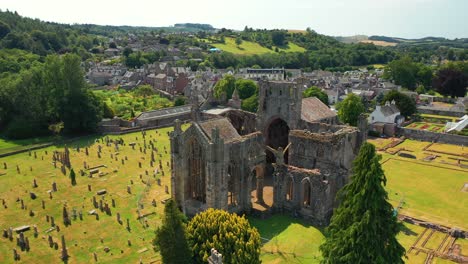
<point x="130" y="187"/>
<point x="252" y="48"/>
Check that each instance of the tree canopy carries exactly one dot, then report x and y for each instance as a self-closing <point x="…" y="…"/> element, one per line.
<point x="405" y="104"/>
<point x="349" y="109"/>
<point x="363" y="228"/>
<point x="317" y="92"/>
<point x="228" y="233"/>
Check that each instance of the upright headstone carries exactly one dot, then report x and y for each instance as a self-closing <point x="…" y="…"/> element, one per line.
<point x="64" y="256"/>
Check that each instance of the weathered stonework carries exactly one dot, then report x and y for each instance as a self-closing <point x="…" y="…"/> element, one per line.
<point x="222" y="161"/>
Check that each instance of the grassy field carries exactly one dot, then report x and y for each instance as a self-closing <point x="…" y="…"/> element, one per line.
<point x="7" y="145"/>
<point x="83" y="237"/>
<point x="431" y="191"/>
<point x="252" y="48"/>
<point x="289" y="240"/>
<point x="443" y="118"/>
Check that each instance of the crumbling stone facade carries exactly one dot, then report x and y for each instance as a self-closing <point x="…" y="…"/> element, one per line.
<point x="229" y="161"/>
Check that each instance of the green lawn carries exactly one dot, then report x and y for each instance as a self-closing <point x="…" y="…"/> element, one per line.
<point x="7" y="145"/>
<point x="83" y="237"/>
<point x="451" y="118"/>
<point x="252" y="48"/>
<point x="430" y="193"/>
<point x="290" y="240"/>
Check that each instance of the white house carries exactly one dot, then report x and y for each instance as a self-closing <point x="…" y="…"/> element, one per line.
<point x="389" y="113"/>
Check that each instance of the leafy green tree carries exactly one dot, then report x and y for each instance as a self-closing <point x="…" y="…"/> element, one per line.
<point x="107" y="111"/>
<point x="403" y="71"/>
<point x="171" y="236"/>
<point x="180" y="100"/>
<point x="424" y="75"/>
<point x="73" y="177"/>
<point x="127" y="51"/>
<point x="238" y="41"/>
<point x="405" y="104"/>
<point x="246" y="88"/>
<point x="317" y="92"/>
<point x="144" y="90"/>
<point x="350" y="109"/>
<point x="225" y="86"/>
<point x="278" y="38"/>
<point x="228" y="233"/>
<point x="250" y="104"/>
<point x="363" y="228"/>
<point x="71" y="101"/>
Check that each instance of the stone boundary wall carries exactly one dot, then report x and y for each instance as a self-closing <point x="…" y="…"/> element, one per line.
<point x="432" y="136"/>
<point x="439" y="111"/>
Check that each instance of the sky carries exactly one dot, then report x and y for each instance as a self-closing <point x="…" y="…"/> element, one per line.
<point x="395" y="18"/>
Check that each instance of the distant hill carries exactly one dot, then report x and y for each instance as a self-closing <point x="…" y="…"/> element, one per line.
<point x="206" y="27"/>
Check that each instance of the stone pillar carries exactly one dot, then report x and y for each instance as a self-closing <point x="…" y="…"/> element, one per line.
<point x="259" y="174"/>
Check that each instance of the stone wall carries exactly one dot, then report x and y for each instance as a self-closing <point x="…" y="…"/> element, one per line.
<point x="324" y="151"/>
<point x="432" y="136"/>
<point x="439" y="111"/>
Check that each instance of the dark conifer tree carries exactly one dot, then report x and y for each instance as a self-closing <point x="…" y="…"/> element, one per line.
<point x="171" y="240"/>
<point x="363" y="228"/>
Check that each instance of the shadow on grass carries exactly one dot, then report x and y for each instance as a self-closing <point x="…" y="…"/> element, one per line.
<point x="408" y="231"/>
<point x="281" y="246"/>
<point x="271" y="227"/>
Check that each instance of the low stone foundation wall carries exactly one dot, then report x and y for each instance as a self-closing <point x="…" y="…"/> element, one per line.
<point x="432" y="136"/>
<point x="439" y="111"/>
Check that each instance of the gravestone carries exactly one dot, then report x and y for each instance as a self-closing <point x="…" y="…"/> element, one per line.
<point x="54" y="186"/>
<point x="64" y="255"/>
<point x="128" y="224"/>
<point x="129" y="189"/>
<point x="16" y="256"/>
<point x="166" y="189"/>
<point x="34" y="183"/>
<point x="33" y="195"/>
<point x="113" y="203"/>
<point x="119" y="220"/>
<point x="51" y="241"/>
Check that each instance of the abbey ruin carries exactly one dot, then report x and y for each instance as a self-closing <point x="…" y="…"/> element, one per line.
<point x="279" y="159"/>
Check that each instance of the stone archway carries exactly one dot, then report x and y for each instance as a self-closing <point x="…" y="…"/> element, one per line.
<point x="277" y="135"/>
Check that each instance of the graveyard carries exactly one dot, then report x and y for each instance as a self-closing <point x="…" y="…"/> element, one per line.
<point x="122" y="182"/>
<point x="112" y="211"/>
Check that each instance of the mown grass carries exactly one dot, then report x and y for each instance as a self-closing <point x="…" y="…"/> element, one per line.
<point x="252" y="48"/>
<point x="430" y="193"/>
<point x="83" y="237"/>
<point x="289" y="240"/>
